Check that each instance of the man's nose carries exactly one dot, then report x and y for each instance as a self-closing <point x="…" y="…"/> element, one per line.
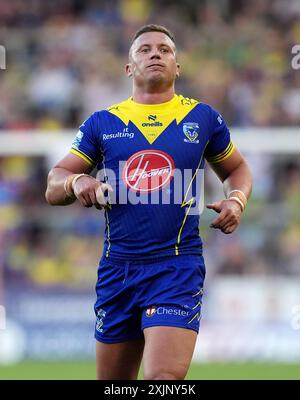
<point x="154" y="54"/>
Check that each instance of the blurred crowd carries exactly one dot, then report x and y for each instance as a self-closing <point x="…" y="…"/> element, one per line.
<point x="39" y="244"/>
<point x="65" y="58"/>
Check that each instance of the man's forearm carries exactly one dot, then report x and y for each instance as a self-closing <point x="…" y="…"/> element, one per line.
<point x="241" y="179"/>
<point x="55" y="193"/>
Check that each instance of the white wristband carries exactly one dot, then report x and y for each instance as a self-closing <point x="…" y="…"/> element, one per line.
<point x="238" y="191"/>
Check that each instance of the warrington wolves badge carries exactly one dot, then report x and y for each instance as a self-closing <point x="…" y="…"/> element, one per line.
<point x="190" y="129"/>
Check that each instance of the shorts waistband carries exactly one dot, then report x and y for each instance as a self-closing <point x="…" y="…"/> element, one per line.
<point x="147" y="261"/>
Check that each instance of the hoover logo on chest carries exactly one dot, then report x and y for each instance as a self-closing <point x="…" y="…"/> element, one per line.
<point x="148" y="170"/>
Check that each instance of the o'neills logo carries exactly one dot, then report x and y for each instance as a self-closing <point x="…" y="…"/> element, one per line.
<point x="150" y="311"/>
<point x="144" y="124"/>
<point x="148" y="170"/>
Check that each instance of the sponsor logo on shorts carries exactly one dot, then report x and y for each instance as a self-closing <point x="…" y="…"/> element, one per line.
<point x="161" y="310"/>
<point x="148" y="171"/>
<point x="172" y="311"/>
<point x="151" y="311"/>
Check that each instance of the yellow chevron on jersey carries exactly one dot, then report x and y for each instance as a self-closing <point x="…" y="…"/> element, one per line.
<point x="153" y="119"/>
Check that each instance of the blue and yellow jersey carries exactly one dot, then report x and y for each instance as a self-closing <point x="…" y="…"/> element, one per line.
<point x="151" y="155"/>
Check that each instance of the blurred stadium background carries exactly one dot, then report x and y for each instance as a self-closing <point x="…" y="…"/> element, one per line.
<point x="64" y="60"/>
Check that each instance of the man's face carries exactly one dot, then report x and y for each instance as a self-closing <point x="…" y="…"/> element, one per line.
<point x="152" y="60"/>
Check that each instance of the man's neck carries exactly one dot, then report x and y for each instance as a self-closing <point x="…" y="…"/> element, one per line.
<point x="152" y="98"/>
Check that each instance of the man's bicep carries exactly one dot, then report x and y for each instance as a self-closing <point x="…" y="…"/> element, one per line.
<point x="75" y="164"/>
<point x="224" y="168"/>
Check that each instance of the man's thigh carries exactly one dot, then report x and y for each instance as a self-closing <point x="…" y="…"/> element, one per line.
<point x="119" y="360"/>
<point x="168" y="352"/>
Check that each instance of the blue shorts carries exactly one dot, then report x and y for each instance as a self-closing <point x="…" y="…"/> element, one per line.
<point x="134" y="295"/>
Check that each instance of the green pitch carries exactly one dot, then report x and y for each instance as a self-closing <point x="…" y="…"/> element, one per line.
<point x="86" y="370"/>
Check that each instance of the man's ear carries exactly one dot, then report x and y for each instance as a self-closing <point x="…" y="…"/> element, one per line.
<point x="177" y="70"/>
<point x="128" y="70"/>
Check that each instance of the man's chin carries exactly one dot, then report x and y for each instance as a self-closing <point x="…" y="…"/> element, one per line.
<point x="156" y="78"/>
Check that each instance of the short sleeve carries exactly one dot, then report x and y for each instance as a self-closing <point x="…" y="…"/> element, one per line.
<point x="86" y="143"/>
<point x="220" y="145"/>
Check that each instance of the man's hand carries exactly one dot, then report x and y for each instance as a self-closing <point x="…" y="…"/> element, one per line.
<point x="90" y="192"/>
<point x="230" y="215"/>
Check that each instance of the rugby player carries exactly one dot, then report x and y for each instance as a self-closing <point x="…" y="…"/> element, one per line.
<point x="151" y="273"/>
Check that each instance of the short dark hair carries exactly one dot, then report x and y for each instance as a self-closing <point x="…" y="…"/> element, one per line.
<point x="153" y="28"/>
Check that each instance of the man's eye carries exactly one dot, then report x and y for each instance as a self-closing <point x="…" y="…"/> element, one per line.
<point x="164" y="50"/>
<point x="144" y="50"/>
